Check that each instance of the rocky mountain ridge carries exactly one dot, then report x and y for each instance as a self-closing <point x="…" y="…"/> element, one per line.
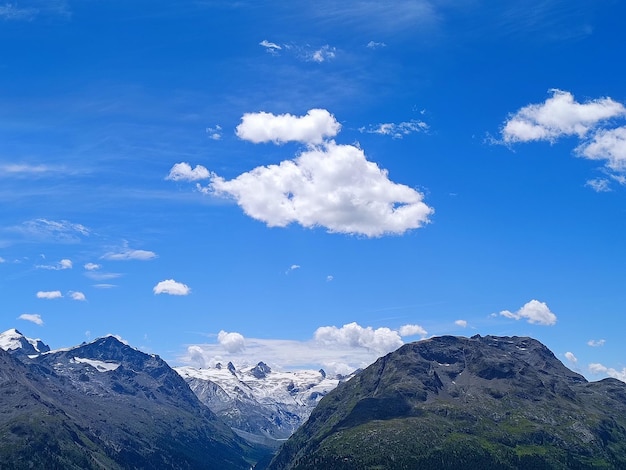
<point x="457" y="403"/>
<point x="107" y="405"/>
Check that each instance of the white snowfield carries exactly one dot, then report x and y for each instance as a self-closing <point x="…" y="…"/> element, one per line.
<point x="100" y="366"/>
<point x="257" y="400"/>
<point x="12" y="339"/>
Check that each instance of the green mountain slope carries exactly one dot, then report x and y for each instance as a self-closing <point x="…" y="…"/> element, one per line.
<point x="465" y="403"/>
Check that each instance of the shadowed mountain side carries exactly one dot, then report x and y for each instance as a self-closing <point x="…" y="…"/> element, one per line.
<point x="107" y="405"/>
<point x="463" y="403"/>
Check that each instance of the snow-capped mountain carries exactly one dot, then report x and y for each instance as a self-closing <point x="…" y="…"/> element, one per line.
<point x="260" y="404"/>
<point x="16" y="343"/>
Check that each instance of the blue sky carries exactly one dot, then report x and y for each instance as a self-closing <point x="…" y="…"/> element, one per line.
<point x="313" y="184"/>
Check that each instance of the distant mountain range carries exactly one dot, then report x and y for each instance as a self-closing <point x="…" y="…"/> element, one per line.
<point x="262" y="405"/>
<point x="443" y="403"/>
<point x="465" y="403"/>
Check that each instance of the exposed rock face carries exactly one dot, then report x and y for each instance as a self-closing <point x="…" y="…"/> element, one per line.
<point x="460" y="403"/>
<point x="107" y="405"/>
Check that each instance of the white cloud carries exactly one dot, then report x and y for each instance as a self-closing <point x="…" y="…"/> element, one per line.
<point x="382" y="340"/>
<point x="323" y="54"/>
<point x="412" y="330"/>
<point x="31" y="317"/>
<point x="232" y="342"/>
<point x="594" y="343"/>
<point x="570" y="357"/>
<point x="560" y="115"/>
<point x="128" y="254"/>
<point x="609" y="145"/>
<point x="333" y="186"/>
<point x="60" y="266"/>
<point x="337" y="350"/>
<point x="311" y="128"/>
<point x="596" y="368"/>
<point x="183" y="172"/>
<point x="270" y="47"/>
<point x="104" y="286"/>
<point x="171" y="287"/>
<point x="329" y="278"/>
<point x="375" y="45"/>
<point x="23" y="169"/>
<point x="77" y="296"/>
<point x="293" y="267"/>
<point x="2" y="260"/>
<point x="599" y="185"/>
<point x="92" y="266"/>
<point x="214" y="133"/>
<point x="53" y="294"/>
<point x="397" y="131"/>
<point x="60" y="231"/>
<point x="534" y="312"/>
<point x="99" y="276"/>
<point x="461" y="323"/>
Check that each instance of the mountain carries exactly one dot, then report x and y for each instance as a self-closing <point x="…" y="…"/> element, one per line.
<point x="260" y="404"/>
<point x="107" y="405"/>
<point x="16" y="343"/>
<point x="465" y="403"/>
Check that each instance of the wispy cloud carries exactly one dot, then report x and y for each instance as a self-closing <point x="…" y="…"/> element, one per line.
<point x="322" y="54"/>
<point x="92" y="266"/>
<point x="10" y="11"/>
<point x="571" y="357"/>
<point x="461" y="323"/>
<point x="171" y="287"/>
<point x="270" y="47"/>
<point x="595" y="343"/>
<point x="31" y="317"/>
<point x="214" y="133"/>
<point x="375" y="45"/>
<point x="128" y="254"/>
<point x="396" y="130"/>
<point x="292" y="268"/>
<point x="60" y="266"/>
<point x="59" y="231"/>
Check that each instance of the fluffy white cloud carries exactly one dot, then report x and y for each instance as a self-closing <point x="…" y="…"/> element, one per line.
<point x="382" y="340"/>
<point x="412" y="330"/>
<point x="397" y="130"/>
<point x="311" y="128"/>
<point x="609" y="145"/>
<point x="596" y="368"/>
<point x="127" y="254"/>
<point x="461" y="323"/>
<point x="91" y="266"/>
<point x="560" y="115"/>
<point x="60" y="266"/>
<point x="31" y="317"/>
<point x="337" y="350"/>
<point x="594" y="343"/>
<point x="293" y="267"/>
<point x="570" y="357"/>
<point x="329" y="278"/>
<point x="232" y="342"/>
<point x="75" y="295"/>
<point x="171" y="287"/>
<point x="53" y="294"/>
<point x="332" y="186"/>
<point x="183" y="172"/>
<point x="534" y="312"/>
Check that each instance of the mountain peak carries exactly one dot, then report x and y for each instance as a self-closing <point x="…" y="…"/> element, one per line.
<point x="261" y="370"/>
<point x="15" y="342"/>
